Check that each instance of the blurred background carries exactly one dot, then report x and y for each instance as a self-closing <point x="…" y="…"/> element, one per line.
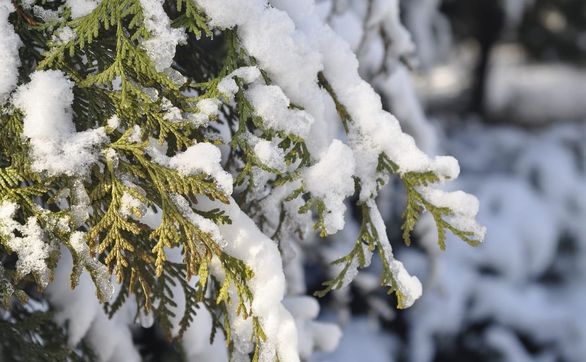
<point x="501" y="85"/>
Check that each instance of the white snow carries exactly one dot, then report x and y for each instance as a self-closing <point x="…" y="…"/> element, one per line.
<point x="27" y="241"/>
<point x="270" y="103"/>
<point x="464" y="209"/>
<point x="102" y="278"/>
<point x="290" y="41"/>
<point x="331" y="181"/>
<point x="350" y="27"/>
<point x="135" y="134"/>
<point x="172" y="113"/>
<point x="205" y="225"/>
<point x="131" y="206"/>
<point x="293" y="46"/>
<point x="228" y="86"/>
<point x="199" y="158"/>
<point x="534" y="94"/>
<point x="409" y="287"/>
<point x="246" y="242"/>
<point x="80" y="207"/>
<point x="80" y="311"/>
<point x="9" y="58"/>
<point x="398" y="91"/>
<point x="387" y="14"/>
<point x="81" y="8"/>
<point x="362" y="340"/>
<point x="164" y="39"/>
<point x="208" y="106"/>
<point x="431" y="30"/>
<point x="312" y="335"/>
<point x="270" y="154"/>
<point x="64" y="35"/>
<point x="269" y="35"/>
<point x="113" y="122"/>
<point x="531" y="187"/>
<point x="47" y="15"/>
<point x="48" y="122"/>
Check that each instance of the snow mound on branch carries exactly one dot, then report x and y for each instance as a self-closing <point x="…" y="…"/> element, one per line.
<point x="464" y="209"/>
<point x="270" y="103"/>
<point x="247" y="243"/>
<point x="269" y="153"/>
<point x="247" y="75"/>
<point x="164" y="39"/>
<point x="331" y="181"/>
<point x="291" y="43"/>
<point x="202" y="157"/>
<point x="48" y="123"/>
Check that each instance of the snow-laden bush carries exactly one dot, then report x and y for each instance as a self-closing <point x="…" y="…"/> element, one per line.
<point x="168" y="159"/>
<point x="520" y="295"/>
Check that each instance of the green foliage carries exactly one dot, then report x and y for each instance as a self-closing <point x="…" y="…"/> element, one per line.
<point x="33" y="336"/>
<point x="416" y="204"/>
<point x="358" y="257"/>
<point x="118" y="87"/>
<point x="368" y="240"/>
<point x="106" y="50"/>
<point x="114" y="76"/>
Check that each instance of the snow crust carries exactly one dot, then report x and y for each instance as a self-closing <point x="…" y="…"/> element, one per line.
<point x="48" y="123"/>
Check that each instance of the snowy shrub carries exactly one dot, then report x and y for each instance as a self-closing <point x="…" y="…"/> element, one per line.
<point x="169" y="159"/>
<point x="520" y="295"/>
